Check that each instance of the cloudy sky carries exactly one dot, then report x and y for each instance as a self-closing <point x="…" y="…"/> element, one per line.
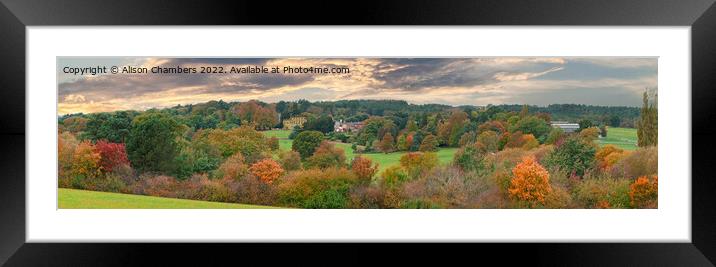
<point x="453" y="81"/>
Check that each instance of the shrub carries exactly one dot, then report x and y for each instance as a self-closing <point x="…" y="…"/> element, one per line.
<point x="604" y="152"/>
<point x="306" y="143"/>
<point x="393" y="176"/>
<point x="111" y="155"/>
<point x="470" y="158"/>
<point x="252" y="190"/>
<point x="643" y="193"/>
<point x="273" y="143"/>
<point x="290" y="160"/>
<point x="603" y="192"/>
<point x="640" y="162"/>
<point x="160" y="186"/>
<point x="589" y="134"/>
<point x="559" y="198"/>
<point x="366" y="197"/>
<point x="200" y="187"/>
<point x="315" y="188"/>
<point x="489" y="141"/>
<point x="364" y="168"/>
<point x="574" y="156"/>
<point x="446" y="187"/>
<point x="267" y="170"/>
<point x="555" y="135"/>
<point x="467" y="138"/>
<point x="418" y="163"/>
<point x="233" y="168"/>
<point x="326" y="155"/>
<point x="530" y="183"/>
<point x="529" y="142"/>
<point x="514" y="140"/>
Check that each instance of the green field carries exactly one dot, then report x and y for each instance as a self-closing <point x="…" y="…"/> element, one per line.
<point x="445" y="155"/>
<point x="624" y="138"/>
<point x="82" y="199"/>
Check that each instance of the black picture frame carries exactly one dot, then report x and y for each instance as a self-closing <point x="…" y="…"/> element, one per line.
<point x="16" y="15"/>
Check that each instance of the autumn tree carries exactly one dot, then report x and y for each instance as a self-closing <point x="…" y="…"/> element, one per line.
<point x="85" y="161"/>
<point x="263" y="117"/>
<point x="647" y="126"/>
<point x="364" y="168"/>
<point x="112" y="155"/>
<point x="529" y="141"/>
<point x="306" y="143"/>
<point x="429" y="144"/>
<point x="267" y="170"/>
<point x="233" y="168"/>
<point x="529" y="183"/>
<point x="643" y="193"/>
<point x="604" y="156"/>
<point x="590" y="134"/>
<point x="488" y="141"/>
<point x="327" y="155"/>
<point x="290" y="160"/>
<point x="418" y="163"/>
<point x="386" y="145"/>
<point x="66" y="145"/>
<point x="245" y="140"/>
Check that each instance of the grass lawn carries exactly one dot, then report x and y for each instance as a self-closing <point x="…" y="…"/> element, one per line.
<point x="385" y="160"/>
<point x="624" y="138"/>
<point x="82" y="199"/>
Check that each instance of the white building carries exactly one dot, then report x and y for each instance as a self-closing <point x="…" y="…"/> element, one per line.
<point x="565" y="126"/>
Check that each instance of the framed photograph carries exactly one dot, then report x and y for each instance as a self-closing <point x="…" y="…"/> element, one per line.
<point x="548" y="124"/>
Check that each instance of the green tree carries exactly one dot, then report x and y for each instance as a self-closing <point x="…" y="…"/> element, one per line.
<point x="323" y="123"/>
<point x="327" y="155"/>
<point x="306" y="143"/>
<point x="152" y="142"/>
<point x="532" y="125"/>
<point x="574" y="156"/>
<point x="113" y="127"/>
<point x="647" y="127"/>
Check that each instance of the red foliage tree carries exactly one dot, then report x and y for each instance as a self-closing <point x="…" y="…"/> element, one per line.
<point x="111" y="155"/>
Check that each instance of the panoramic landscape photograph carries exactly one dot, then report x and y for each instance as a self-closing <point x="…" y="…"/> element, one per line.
<point x="357" y="133"/>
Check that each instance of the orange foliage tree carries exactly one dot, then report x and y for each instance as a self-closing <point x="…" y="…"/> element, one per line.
<point x="267" y="170"/>
<point x="418" y="163"/>
<point x="85" y="161"/>
<point x="364" y="168"/>
<point x="644" y="192"/>
<point x="529" y="183"/>
<point x="608" y="155"/>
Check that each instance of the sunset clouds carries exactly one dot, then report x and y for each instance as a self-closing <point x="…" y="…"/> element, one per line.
<point x="453" y="81"/>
